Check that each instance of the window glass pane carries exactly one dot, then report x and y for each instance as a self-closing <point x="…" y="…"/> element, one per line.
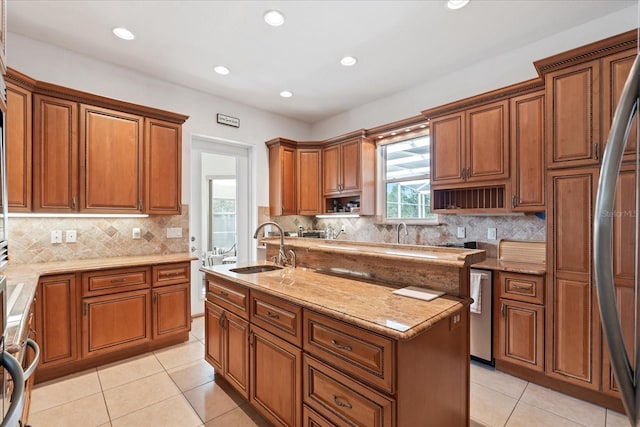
<point x="223" y="213"/>
<point x="407" y="158"/>
<point x="409" y="200"/>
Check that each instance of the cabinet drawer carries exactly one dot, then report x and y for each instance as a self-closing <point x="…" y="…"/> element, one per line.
<point x="311" y="418"/>
<point x="342" y="400"/>
<point x="522" y="287"/>
<point x="234" y="298"/>
<point x="366" y="355"/>
<point x="116" y="280"/>
<point x="171" y="274"/>
<point x="277" y="316"/>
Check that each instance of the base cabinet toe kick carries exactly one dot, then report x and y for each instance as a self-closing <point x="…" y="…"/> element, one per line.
<point x="299" y="367"/>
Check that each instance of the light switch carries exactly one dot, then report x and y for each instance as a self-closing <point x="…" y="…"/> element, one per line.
<point x="56" y="236"/>
<point x="461" y="233"/>
<point x="135" y="233"/>
<point x="492" y="234"/>
<point x="174" y="232"/>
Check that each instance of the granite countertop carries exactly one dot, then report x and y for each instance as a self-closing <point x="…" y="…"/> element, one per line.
<point x="369" y="305"/>
<point x="511" y="266"/>
<point x="22" y="280"/>
<point x="454" y="257"/>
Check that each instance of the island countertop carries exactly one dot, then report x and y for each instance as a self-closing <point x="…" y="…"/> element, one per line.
<point x="371" y="306"/>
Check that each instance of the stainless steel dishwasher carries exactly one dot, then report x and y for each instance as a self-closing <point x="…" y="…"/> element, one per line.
<point x="481" y="324"/>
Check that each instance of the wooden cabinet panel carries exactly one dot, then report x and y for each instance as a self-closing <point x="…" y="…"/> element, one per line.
<point x="311" y="418"/>
<point x="527" y="158"/>
<point x="57" y="319"/>
<point x="55" y="155"/>
<point x="331" y="169"/>
<point x="615" y="70"/>
<point x="488" y="142"/>
<point x="171" y="310"/>
<point x="625" y="297"/>
<point x="236" y="353"/>
<point x="309" y="181"/>
<point x="215" y="337"/>
<point x="521" y="287"/>
<point x="171" y="274"/>
<point x="282" y="184"/>
<point x="18" y="148"/>
<point x="114" y="322"/>
<point x="521" y="334"/>
<point x="162" y="167"/>
<point x="448" y="148"/>
<point x="350" y="165"/>
<point x="276" y="378"/>
<point x="115" y="280"/>
<point x="228" y="295"/>
<point x="343" y="400"/>
<point x="277" y="316"/>
<point x="573" y="115"/>
<point x="111" y="152"/>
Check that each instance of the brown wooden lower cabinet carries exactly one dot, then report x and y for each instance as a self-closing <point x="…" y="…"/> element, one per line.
<point x="275" y="389"/>
<point x="521" y="336"/>
<point x="171" y="310"/>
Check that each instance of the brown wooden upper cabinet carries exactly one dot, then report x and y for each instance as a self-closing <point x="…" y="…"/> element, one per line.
<point x="18" y="147"/>
<point x="111" y="150"/>
<point x="471" y="145"/>
<point x="615" y="70"/>
<point x="308" y="181"/>
<point x="573" y="116"/>
<point x="163" y="167"/>
<point x="341" y="166"/>
<point x="282" y="178"/>
<point x="55" y="155"/>
<point x="527" y="152"/>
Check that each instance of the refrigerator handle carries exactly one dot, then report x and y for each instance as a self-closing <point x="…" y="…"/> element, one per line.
<point x="13" y="415"/>
<point x="602" y="247"/>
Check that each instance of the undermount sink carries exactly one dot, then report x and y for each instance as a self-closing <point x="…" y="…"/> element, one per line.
<point x="255" y="269"/>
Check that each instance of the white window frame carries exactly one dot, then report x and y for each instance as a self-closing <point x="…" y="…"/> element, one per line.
<point x="381" y="187"/>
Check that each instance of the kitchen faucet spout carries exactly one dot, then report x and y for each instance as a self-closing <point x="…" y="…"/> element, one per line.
<point x="406" y="233"/>
<point x="282" y="256"/>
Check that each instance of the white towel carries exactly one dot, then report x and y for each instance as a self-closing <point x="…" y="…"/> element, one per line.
<point x="476" y="293"/>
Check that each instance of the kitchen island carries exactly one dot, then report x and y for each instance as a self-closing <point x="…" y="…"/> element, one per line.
<point x="311" y="346"/>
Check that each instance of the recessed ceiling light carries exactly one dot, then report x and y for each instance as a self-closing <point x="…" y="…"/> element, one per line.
<point x="274" y="18"/>
<point x="286" y="94"/>
<point x="407" y="130"/>
<point x="457" y="4"/>
<point x="123" y="33"/>
<point x="423" y="126"/>
<point x="348" y="61"/>
<point x="380" y="136"/>
<point x="393" y="133"/>
<point x="221" y="69"/>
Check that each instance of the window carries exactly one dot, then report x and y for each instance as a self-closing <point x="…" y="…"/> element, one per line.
<point x="222" y="214"/>
<point x="405" y="180"/>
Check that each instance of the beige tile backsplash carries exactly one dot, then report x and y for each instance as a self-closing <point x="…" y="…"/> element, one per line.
<point x="30" y="238"/>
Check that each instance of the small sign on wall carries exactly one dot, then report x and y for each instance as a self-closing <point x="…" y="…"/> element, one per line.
<point x="228" y="120"/>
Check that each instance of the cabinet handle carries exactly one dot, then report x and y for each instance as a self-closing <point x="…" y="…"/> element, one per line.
<point x="341" y="404"/>
<point x="251" y="338"/>
<point x="224" y="294"/>
<point x="464" y="174"/>
<point x="273" y="315"/>
<point x="513" y="201"/>
<point x="120" y="280"/>
<point x="73" y="203"/>
<point x="221" y="321"/>
<point x="522" y="288"/>
<point x="596" y="154"/>
<point x="502" y="309"/>
<point x="139" y="204"/>
<point x="340" y="346"/>
<point x="85" y="309"/>
<point x="155" y="297"/>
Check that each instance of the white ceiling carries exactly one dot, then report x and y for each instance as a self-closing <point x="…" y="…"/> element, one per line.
<point x="399" y="44"/>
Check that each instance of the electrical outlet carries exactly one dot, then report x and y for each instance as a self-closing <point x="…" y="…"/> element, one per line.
<point x="135" y="233"/>
<point x="492" y="234"/>
<point x="71" y="236"/>
<point x="174" y="232"/>
<point x="56" y="236"/>
<point x="342" y="229"/>
<point x="461" y="233"/>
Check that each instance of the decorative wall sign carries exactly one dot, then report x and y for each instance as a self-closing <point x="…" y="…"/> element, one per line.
<point x="228" y="120"/>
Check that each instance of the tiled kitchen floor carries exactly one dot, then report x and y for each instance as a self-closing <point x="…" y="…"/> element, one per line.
<point x="175" y="387"/>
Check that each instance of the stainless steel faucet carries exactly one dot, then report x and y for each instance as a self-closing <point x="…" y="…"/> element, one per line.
<point x="406" y="233"/>
<point x="282" y="256"/>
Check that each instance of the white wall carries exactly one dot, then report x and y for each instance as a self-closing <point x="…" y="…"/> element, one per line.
<point x="52" y="64"/>
<point x="493" y="73"/>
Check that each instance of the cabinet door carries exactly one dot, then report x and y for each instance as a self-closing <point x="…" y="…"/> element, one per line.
<point x="521" y="334"/>
<point x="331" y="170"/>
<point x="171" y="310"/>
<point x="447" y="148"/>
<point x="111" y="154"/>
<point x="573" y="331"/>
<point x="162" y="167"/>
<point x="624" y="238"/>
<point x="527" y="147"/>
<point x="214" y="333"/>
<point x="350" y="166"/>
<point x="488" y="142"/>
<point x="615" y="70"/>
<point x="309" y="178"/>
<point x="55" y="154"/>
<point x="276" y="377"/>
<point x="236" y="354"/>
<point x="115" y="322"/>
<point x="18" y="148"/>
<point x="57" y="320"/>
<point x="282" y="184"/>
<point x="573" y="116"/>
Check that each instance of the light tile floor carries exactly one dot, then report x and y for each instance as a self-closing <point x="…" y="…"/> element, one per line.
<point x="175" y="387"/>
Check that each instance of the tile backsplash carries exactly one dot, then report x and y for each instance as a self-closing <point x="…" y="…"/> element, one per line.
<point x="364" y="229"/>
<point x="30" y="237"/>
